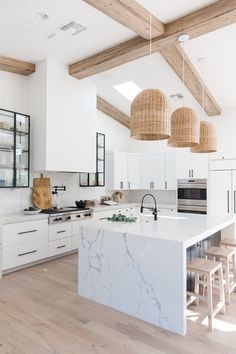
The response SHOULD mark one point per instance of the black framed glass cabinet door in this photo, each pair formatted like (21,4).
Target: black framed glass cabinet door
(14,149)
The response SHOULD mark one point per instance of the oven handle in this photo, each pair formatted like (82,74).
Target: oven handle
(192,186)
(234,202)
(228,201)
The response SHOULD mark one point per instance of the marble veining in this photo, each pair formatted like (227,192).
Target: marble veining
(146,289)
(119,280)
(98,264)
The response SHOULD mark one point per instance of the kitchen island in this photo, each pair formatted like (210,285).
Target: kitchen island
(140,268)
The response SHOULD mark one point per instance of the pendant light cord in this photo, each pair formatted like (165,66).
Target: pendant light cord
(150,42)
(203,86)
(183,68)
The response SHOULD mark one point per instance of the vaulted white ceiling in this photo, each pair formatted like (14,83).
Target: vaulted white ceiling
(24,37)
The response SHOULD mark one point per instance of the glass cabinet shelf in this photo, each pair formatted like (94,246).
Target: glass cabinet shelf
(96,179)
(14,149)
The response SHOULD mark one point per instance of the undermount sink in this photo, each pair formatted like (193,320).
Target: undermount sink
(150,216)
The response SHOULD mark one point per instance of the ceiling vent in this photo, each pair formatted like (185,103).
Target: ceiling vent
(177,96)
(73,28)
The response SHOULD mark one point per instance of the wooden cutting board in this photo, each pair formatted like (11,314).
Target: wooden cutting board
(42,197)
(42,181)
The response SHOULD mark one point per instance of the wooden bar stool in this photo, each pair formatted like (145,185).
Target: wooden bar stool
(226,256)
(207,269)
(228,243)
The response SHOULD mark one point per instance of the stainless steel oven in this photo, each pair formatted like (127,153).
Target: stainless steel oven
(192,196)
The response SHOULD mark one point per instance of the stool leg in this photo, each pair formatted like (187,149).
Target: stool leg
(234,268)
(210,302)
(196,288)
(227,281)
(221,289)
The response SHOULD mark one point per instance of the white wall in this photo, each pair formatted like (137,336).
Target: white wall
(14,96)
(12,92)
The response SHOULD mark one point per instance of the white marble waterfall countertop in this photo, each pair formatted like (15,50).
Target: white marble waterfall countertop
(180,227)
(20,217)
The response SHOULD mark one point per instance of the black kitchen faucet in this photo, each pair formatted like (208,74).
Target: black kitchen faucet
(153,209)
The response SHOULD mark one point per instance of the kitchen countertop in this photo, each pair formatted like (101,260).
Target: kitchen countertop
(20,217)
(132,204)
(187,229)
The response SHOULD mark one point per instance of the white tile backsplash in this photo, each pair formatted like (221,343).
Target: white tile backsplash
(14,200)
(162,197)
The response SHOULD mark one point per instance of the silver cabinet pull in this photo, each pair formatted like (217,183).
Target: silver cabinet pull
(24,254)
(61,231)
(121,185)
(189,173)
(228,201)
(165,184)
(234,202)
(26,232)
(62,246)
(129,185)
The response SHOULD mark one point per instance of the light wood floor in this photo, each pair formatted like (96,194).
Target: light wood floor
(40,313)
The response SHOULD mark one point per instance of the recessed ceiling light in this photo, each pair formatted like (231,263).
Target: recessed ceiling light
(51,35)
(177,96)
(128,89)
(73,27)
(41,16)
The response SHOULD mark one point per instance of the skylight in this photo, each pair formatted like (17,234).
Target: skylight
(128,89)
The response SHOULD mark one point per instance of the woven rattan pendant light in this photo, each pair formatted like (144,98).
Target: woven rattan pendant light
(208,139)
(185,125)
(185,128)
(150,111)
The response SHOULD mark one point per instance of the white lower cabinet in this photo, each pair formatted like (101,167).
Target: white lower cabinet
(75,242)
(31,241)
(60,230)
(59,246)
(24,243)
(17,255)
(17,233)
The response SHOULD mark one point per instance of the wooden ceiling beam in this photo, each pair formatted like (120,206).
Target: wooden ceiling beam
(16,66)
(174,57)
(198,23)
(130,14)
(113,112)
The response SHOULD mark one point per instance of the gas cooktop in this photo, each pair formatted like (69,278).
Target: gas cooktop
(67,214)
(69,209)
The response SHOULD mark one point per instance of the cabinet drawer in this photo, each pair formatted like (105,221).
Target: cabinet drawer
(18,233)
(59,231)
(16,255)
(59,246)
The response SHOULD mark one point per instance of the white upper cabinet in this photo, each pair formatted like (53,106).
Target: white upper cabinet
(63,111)
(133,166)
(170,171)
(140,171)
(152,171)
(116,170)
(190,165)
